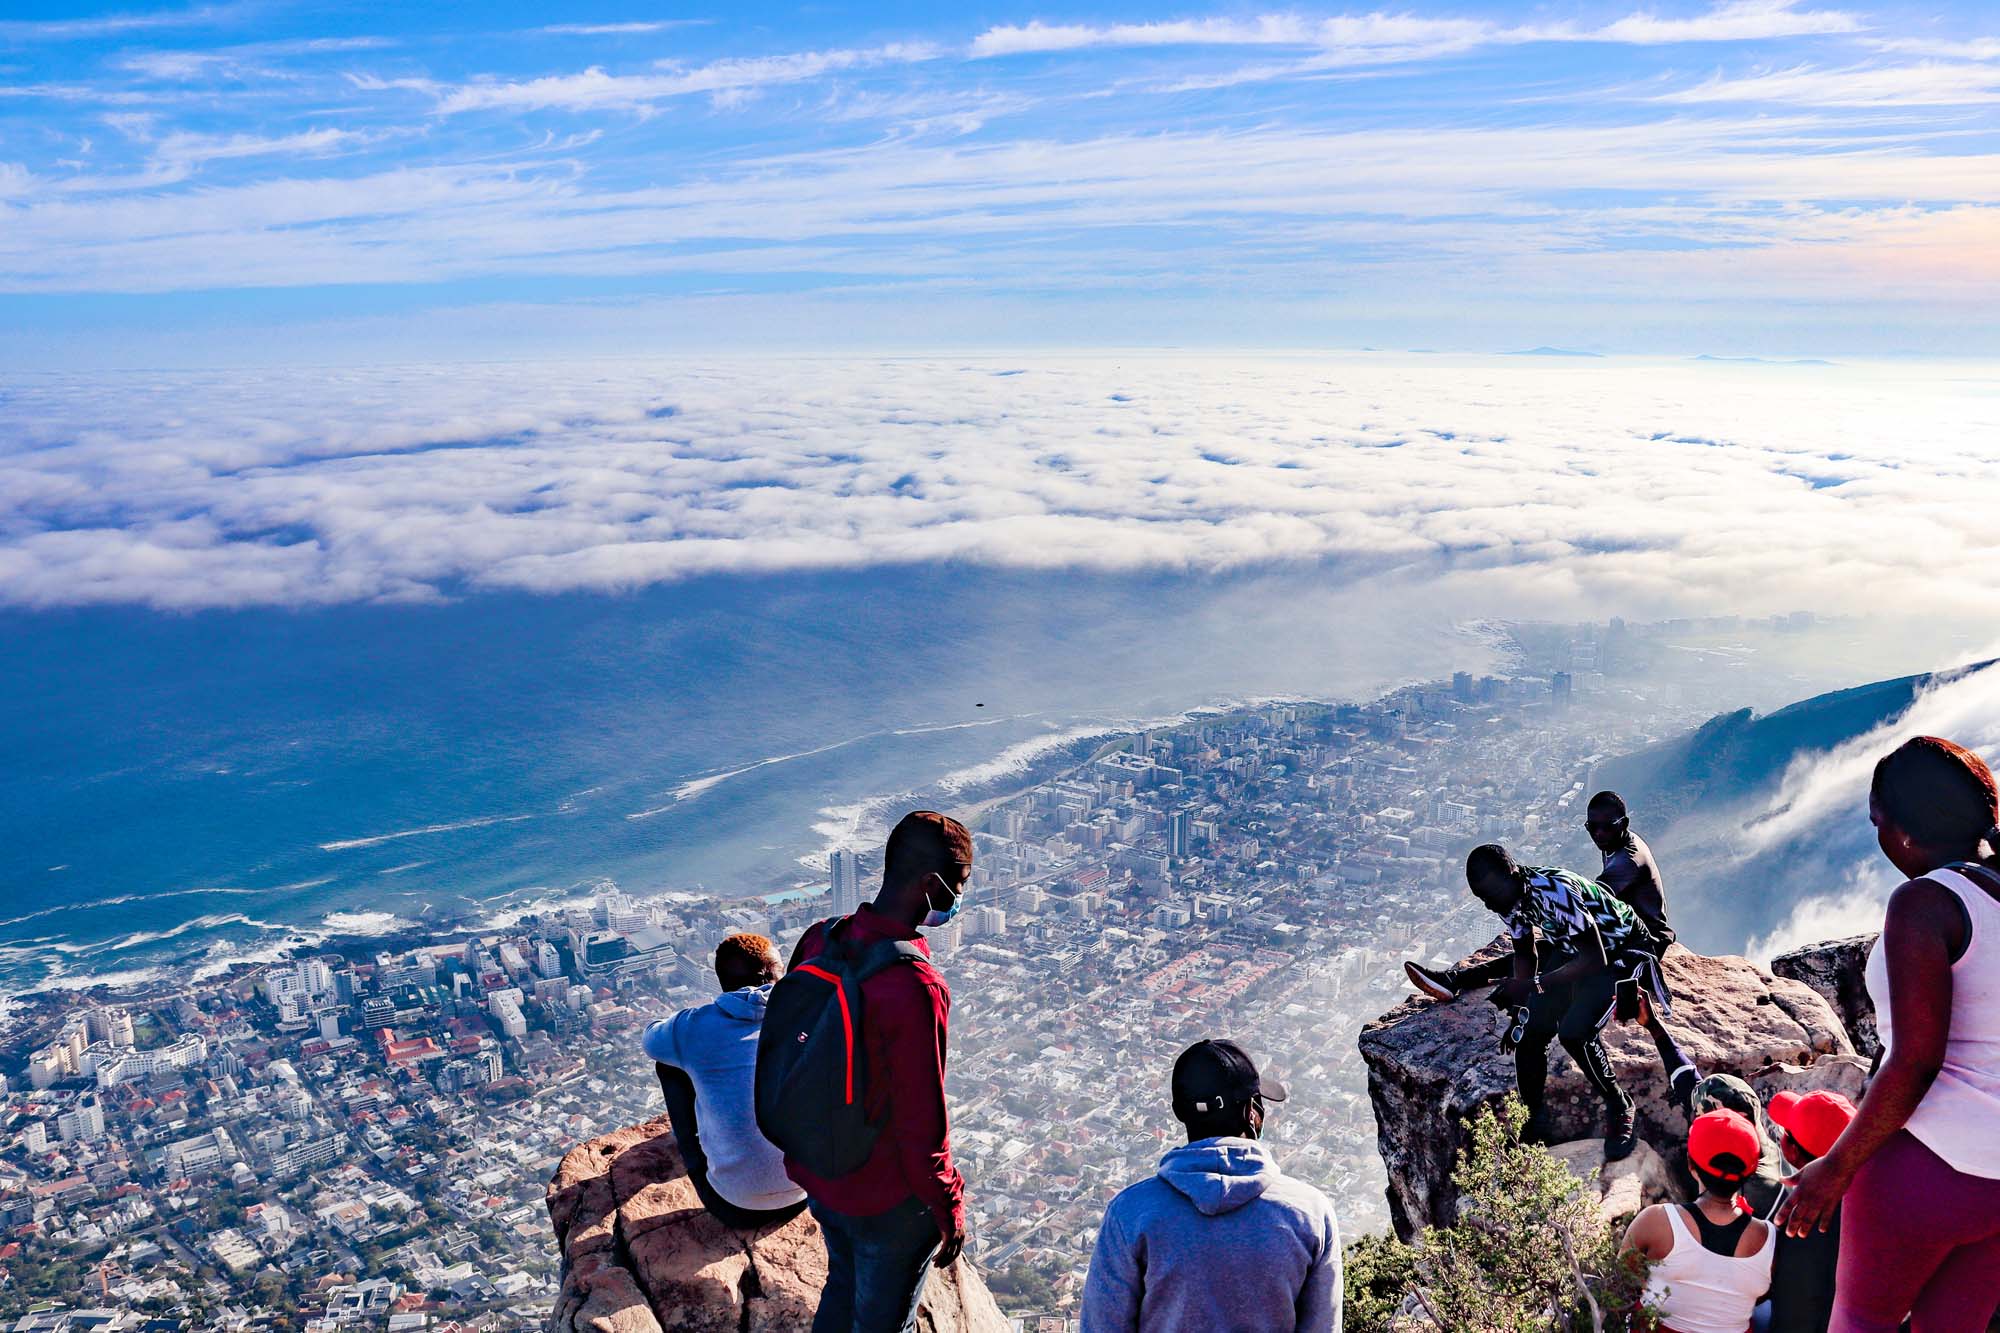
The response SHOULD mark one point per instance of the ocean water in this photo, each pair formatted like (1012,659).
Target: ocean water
(183,791)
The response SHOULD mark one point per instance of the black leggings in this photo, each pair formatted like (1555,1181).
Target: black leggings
(678,1089)
(1576,1012)
(1495,970)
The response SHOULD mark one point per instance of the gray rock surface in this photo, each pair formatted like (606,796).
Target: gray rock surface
(1834,969)
(1623,1188)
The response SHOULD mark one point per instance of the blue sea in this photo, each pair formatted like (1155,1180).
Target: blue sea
(184,791)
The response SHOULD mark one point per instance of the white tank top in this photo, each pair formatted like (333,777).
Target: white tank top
(1957,1118)
(1697,1290)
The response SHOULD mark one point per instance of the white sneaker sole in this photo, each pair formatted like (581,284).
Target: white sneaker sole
(1426,985)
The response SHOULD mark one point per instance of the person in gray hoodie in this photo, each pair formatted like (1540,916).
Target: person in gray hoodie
(706,1058)
(1220,1239)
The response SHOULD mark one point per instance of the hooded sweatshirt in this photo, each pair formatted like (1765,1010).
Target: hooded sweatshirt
(715,1045)
(1219,1240)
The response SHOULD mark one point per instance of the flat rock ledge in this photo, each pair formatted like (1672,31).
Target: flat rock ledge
(641,1255)
(1432,1065)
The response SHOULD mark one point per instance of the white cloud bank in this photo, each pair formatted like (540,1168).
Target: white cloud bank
(1663,486)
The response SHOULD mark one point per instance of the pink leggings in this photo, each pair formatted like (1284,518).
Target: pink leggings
(1920,1241)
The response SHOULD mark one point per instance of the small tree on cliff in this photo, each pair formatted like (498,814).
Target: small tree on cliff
(1528,1253)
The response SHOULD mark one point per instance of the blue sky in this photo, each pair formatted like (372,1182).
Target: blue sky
(240,182)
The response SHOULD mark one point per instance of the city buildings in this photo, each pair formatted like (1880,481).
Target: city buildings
(344,1136)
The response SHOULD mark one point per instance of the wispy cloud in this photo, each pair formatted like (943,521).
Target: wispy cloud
(1925,84)
(1409,36)
(1748,150)
(620,29)
(240,59)
(1742,21)
(1439,203)
(593,89)
(1978,48)
(1037,36)
(111,25)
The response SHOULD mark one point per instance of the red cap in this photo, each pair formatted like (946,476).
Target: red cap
(1812,1119)
(1717,1133)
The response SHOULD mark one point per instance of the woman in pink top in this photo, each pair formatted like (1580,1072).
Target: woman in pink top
(1919,1165)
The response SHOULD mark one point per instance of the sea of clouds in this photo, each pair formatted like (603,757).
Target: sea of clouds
(1512,485)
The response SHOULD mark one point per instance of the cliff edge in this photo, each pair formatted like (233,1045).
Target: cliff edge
(640,1255)
(1431,1065)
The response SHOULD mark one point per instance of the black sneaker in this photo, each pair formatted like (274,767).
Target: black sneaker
(1621,1140)
(1437,985)
(1684,1081)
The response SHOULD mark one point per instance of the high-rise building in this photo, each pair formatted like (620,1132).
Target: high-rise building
(315,976)
(621,913)
(1177,833)
(844,880)
(45,1068)
(83,1123)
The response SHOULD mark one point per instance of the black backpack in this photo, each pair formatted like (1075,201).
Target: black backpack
(812,1062)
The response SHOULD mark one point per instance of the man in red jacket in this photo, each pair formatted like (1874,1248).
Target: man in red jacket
(903,1211)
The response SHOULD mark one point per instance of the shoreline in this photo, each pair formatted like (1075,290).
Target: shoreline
(28,1009)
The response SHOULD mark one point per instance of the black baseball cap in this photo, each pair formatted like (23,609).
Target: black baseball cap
(1212,1075)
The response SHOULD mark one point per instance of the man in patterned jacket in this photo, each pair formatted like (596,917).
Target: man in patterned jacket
(1633,877)
(1573,941)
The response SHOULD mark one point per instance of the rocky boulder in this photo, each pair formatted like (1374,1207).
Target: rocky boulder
(641,1255)
(1622,1188)
(1834,969)
(1431,1065)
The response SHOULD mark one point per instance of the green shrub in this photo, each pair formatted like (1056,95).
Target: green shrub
(1377,1272)
(1529,1252)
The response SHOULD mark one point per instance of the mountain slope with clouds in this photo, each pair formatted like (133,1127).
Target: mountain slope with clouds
(1761,823)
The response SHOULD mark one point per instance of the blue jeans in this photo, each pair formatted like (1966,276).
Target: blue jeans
(876,1268)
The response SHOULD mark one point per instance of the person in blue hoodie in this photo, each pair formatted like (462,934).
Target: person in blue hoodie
(706,1058)
(1220,1239)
